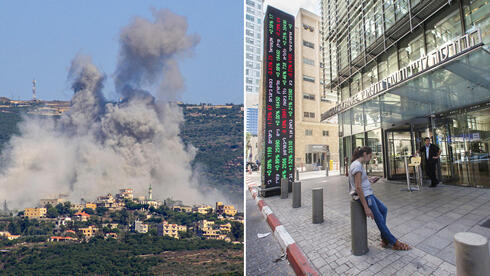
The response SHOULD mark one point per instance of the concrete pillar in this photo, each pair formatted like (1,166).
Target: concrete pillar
(296,194)
(358,228)
(317,205)
(472,256)
(284,188)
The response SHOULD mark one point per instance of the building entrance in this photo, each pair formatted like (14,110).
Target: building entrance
(463,137)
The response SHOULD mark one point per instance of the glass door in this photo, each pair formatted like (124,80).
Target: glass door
(399,146)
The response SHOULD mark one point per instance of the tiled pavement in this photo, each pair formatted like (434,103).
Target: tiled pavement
(427,220)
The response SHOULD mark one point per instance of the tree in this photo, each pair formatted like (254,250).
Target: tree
(52,212)
(237,230)
(89,211)
(101,210)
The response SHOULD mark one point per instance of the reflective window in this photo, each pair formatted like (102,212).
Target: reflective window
(389,14)
(477,15)
(411,49)
(440,31)
(343,58)
(370,75)
(401,8)
(308,78)
(355,85)
(308,61)
(308,44)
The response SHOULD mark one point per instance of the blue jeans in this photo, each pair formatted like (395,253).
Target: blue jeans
(380,211)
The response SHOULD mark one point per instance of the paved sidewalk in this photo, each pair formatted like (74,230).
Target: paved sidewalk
(427,220)
(262,253)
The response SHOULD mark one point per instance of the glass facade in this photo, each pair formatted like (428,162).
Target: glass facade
(253,60)
(252,120)
(449,103)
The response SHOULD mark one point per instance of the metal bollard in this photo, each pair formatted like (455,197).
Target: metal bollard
(472,257)
(297,174)
(296,194)
(327,168)
(317,205)
(358,228)
(284,188)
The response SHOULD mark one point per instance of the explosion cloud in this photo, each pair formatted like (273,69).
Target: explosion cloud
(99,146)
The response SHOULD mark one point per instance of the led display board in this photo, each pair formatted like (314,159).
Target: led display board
(278,100)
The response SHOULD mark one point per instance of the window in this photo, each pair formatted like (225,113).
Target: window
(308,132)
(477,15)
(309,115)
(308,96)
(249,17)
(249,33)
(250,3)
(308,78)
(308,61)
(442,31)
(308,158)
(308,44)
(325,133)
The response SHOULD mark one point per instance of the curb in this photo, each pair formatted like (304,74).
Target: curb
(295,256)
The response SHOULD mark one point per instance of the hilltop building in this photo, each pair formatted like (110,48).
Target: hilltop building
(89,232)
(35,212)
(139,227)
(171,230)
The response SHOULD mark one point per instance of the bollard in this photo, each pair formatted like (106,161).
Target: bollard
(327,169)
(317,205)
(284,188)
(297,174)
(358,228)
(472,257)
(296,194)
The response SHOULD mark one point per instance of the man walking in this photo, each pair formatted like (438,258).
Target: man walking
(431,153)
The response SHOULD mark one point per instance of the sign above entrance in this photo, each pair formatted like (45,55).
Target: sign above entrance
(440,55)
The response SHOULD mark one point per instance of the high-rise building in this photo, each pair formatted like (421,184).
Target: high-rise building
(409,69)
(253,61)
(316,142)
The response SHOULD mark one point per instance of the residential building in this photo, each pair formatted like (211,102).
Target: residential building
(53,202)
(61,239)
(181,208)
(89,232)
(110,225)
(139,227)
(316,142)
(35,212)
(81,216)
(202,209)
(406,70)
(209,230)
(125,194)
(9,236)
(171,230)
(229,210)
(90,205)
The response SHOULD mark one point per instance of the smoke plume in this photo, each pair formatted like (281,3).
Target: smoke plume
(98,146)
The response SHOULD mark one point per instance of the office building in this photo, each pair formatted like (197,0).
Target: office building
(408,69)
(316,142)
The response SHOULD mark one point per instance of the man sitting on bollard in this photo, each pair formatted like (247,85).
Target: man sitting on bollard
(373,207)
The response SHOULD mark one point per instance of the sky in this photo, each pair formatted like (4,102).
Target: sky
(292,7)
(40,38)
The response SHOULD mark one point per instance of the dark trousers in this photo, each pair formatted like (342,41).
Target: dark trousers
(430,169)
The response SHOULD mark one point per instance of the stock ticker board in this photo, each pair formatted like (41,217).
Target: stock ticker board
(278,100)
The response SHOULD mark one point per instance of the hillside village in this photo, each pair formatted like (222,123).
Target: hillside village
(110,217)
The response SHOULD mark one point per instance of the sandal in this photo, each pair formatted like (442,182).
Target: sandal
(401,246)
(384,243)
